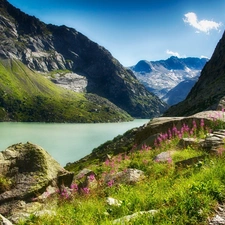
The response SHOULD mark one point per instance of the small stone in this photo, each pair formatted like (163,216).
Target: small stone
(163,156)
(217,220)
(126,219)
(113,201)
(4,221)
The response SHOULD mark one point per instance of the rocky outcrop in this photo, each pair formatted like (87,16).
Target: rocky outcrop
(208,93)
(28,171)
(71,81)
(129,176)
(48,48)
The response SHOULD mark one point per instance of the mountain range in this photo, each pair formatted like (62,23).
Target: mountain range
(70,60)
(208,93)
(171,79)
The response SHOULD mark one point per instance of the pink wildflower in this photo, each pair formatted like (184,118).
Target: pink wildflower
(110,183)
(74,187)
(107,162)
(169,160)
(119,158)
(202,123)
(92,177)
(194,124)
(65,194)
(86,190)
(174,131)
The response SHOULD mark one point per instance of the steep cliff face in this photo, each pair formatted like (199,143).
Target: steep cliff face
(48,48)
(208,92)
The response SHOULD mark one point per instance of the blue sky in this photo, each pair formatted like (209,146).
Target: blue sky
(138,29)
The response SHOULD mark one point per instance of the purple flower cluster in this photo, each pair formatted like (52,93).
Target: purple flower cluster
(85,190)
(174,132)
(110,183)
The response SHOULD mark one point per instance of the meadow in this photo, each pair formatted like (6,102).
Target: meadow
(178,193)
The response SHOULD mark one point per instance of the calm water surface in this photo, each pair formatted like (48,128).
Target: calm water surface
(65,142)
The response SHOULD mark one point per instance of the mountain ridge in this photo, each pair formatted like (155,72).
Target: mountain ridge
(208,93)
(162,76)
(46,48)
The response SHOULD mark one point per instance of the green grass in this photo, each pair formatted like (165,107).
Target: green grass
(5,184)
(181,195)
(28,96)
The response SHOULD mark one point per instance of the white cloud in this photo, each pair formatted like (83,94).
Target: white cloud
(202,56)
(172,53)
(201,25)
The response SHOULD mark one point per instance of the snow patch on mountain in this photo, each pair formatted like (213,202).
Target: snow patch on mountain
(160,77)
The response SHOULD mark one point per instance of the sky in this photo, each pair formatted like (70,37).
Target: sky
(137,30)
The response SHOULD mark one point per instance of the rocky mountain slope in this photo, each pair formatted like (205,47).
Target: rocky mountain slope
(49,48)
(162,76)
(26,95)
(208,92)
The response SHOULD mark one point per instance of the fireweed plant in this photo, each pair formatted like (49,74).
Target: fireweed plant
(181,195)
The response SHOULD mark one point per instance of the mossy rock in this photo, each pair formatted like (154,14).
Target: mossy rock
(31,169)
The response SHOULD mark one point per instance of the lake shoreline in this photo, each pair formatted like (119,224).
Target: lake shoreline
(66,142)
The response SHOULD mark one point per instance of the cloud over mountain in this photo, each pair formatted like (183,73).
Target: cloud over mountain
(201,25)
(172,53)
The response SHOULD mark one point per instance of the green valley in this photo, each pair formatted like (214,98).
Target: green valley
(28,96)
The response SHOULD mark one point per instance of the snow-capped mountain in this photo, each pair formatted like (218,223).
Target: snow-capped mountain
(161,77)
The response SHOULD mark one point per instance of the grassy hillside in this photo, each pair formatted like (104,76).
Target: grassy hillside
(26,95)
(185,188)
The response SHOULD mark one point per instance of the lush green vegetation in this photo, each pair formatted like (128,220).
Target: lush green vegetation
(5,184)
(181,193)
(28,96)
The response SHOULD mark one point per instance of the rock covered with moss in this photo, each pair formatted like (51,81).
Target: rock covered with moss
(27,170)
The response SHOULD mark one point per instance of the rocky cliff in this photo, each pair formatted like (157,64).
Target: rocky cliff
(48,48)
(208,92)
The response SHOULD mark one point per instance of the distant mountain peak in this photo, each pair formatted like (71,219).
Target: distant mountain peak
(162,76)
(208,92)
(143,66)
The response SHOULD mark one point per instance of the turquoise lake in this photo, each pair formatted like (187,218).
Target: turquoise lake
(67,142)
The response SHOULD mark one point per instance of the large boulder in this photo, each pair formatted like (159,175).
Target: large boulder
(27,170)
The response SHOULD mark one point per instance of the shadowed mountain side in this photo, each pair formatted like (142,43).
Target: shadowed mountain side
(30,97)
(48,48)
(208,92)
(179,92)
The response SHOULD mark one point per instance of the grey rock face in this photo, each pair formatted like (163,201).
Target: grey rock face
(71,81)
